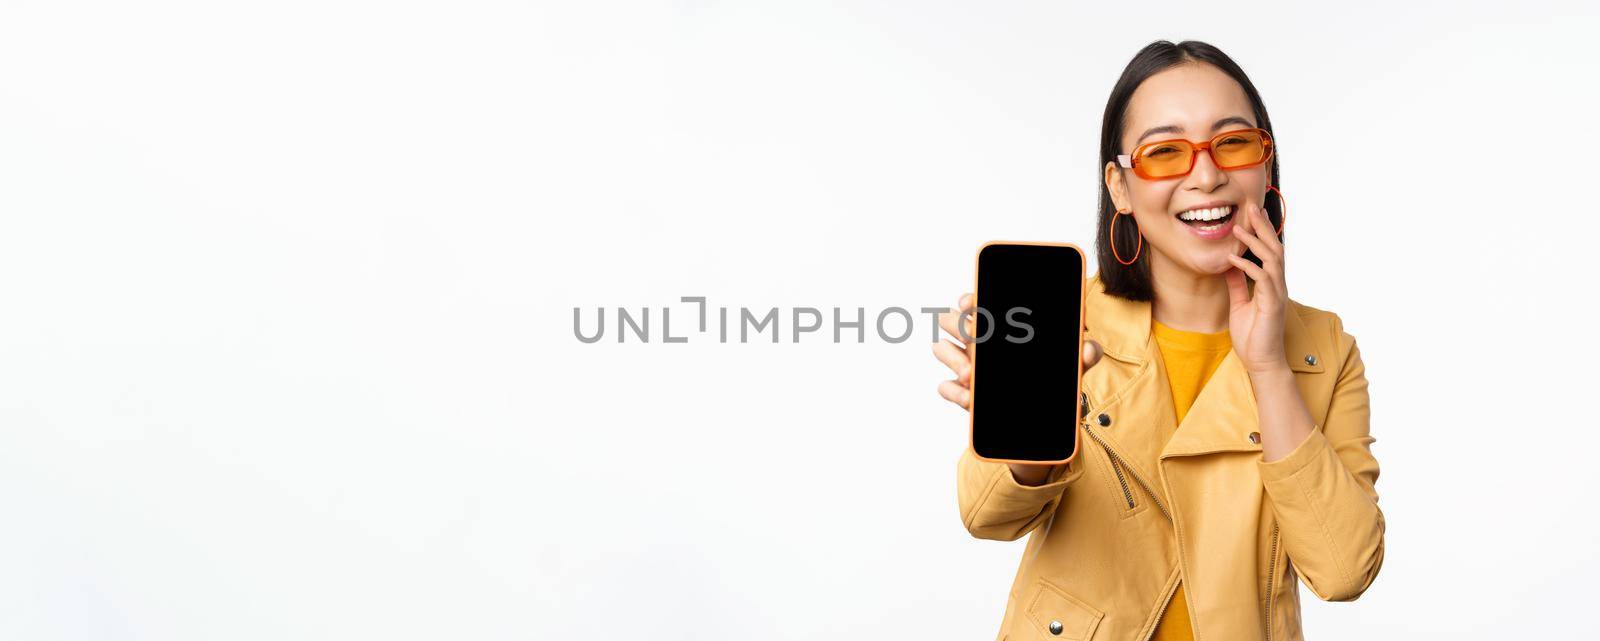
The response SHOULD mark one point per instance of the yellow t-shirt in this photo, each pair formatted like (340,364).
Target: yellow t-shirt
(1191,358)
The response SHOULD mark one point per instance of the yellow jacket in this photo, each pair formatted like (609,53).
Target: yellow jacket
(1112,535)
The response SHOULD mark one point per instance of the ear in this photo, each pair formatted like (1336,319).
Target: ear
(1117,186)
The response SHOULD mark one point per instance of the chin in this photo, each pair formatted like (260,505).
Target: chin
(1212,262)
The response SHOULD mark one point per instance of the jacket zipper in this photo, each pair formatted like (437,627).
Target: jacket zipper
(1117,469)
(1123,481)
(1272,576)
(1117,461)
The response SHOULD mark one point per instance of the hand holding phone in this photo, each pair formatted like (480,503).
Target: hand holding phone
(957,355)
(1029,324)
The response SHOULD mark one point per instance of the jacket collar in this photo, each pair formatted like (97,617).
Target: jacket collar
(1224,414)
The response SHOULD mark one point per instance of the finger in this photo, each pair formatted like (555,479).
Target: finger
(969,315)
(1256,273)
(955,393)
(947,322)
(1276,265)
(1266,222)
(954,357)
(1091,354)
(1267,295)
(1263,229)
(1238,290)
(949,319)
(1269,260)
(1252,238)
(1245,219)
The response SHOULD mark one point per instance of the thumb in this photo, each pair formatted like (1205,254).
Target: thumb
(1091,354)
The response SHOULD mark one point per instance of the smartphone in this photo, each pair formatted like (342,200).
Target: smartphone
(1027,367)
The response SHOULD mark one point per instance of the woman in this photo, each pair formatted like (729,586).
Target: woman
(1224,451)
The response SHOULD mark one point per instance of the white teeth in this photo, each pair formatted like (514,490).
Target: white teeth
(1206,214)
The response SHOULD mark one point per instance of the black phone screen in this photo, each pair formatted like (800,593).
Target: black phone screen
(1026,352)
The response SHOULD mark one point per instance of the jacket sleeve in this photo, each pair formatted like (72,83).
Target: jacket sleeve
(1323,491)
(995,506)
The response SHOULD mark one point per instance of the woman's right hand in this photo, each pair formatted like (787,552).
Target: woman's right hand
(957,355)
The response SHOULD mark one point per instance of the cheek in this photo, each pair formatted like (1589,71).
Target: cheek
(1254,183)
(1152,201)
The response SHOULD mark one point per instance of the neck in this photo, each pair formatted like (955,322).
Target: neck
(1186,300)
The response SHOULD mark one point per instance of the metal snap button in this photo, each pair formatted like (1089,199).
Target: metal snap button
(1055,627)
(1255,437)
(1104,420)
(1311,359)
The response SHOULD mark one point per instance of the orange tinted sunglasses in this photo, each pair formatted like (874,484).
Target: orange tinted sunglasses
(1229,150)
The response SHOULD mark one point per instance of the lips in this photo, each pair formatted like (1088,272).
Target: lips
(1211,221)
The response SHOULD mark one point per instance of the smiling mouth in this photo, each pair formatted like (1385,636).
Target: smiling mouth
(1209,218)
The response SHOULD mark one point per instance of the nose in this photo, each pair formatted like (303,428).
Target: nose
(1206,176)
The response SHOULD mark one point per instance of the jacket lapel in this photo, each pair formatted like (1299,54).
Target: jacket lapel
(1121,326)
(1131,393)
(1222,417)
(1225,414)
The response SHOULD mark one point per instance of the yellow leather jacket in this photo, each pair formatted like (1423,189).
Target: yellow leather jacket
(1115,530)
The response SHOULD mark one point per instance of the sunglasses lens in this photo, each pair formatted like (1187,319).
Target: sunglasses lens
(1166,159)
(1239,149)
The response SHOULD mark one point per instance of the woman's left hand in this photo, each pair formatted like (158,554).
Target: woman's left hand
(1255,319)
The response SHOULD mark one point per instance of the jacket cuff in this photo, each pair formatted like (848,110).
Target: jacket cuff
(1314,446)
(1009,491)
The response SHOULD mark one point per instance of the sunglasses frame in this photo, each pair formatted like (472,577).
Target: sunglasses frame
(1131,161)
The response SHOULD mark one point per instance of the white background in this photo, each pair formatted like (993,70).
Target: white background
(286,345)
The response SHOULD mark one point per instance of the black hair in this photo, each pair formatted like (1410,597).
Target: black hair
(1133,282)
